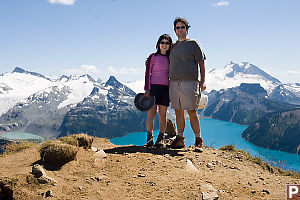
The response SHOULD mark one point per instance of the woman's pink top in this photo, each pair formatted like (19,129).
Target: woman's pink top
(157,70)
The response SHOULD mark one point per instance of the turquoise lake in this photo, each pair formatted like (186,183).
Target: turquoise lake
(20,136)
(218,133)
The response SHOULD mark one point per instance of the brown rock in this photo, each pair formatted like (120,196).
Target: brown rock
(171,129)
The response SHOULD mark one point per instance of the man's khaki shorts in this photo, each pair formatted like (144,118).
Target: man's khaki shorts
(184,95)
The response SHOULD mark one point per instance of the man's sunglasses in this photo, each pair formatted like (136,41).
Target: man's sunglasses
(180,27)
(167,43)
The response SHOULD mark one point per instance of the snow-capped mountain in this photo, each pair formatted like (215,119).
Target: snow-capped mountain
(107,112)
(17,86)
(233,74)
(136,86)
(36,104)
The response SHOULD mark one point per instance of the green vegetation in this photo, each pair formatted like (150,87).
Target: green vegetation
(69,140)
(228,148)
(15,147)
(260,162)
(78,140)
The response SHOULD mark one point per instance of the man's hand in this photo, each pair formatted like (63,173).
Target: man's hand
(202,86)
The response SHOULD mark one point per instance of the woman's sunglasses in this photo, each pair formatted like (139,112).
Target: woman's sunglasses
(167,43)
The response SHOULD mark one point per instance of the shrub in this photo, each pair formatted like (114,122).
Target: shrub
(84,140)
(15,147)
(55,154)
(69,140)
(228,148)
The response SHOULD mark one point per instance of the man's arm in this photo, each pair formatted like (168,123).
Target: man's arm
(202,74)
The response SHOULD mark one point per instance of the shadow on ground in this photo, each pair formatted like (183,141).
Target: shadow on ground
(142,149)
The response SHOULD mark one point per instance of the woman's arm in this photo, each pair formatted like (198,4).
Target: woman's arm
(148,73)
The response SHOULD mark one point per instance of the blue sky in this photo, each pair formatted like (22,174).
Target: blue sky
(114,37)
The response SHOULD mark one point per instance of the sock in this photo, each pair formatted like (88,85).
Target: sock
(180,134)
(198,135)
(160,133)
(149,133)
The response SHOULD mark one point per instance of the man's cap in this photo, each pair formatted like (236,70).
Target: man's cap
(144,103)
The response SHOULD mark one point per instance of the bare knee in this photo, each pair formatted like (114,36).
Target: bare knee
(193,114)
(152,112)
(162,112)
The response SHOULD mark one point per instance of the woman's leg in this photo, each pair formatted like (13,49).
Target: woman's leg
(162,112)
(150,118)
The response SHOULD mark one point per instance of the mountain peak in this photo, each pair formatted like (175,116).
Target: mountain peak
(89,77)
(234,69)
(19,70)
(112,81)
(112,78)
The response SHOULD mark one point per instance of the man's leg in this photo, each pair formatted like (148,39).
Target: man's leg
(195,123)
(194,120)
(180,121)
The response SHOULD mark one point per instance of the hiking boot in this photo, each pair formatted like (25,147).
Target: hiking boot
(199,142)
(177,143)
(159,140)
(150,142)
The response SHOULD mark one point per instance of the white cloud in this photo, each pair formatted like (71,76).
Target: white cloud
(65,2)
(84,69)
(114,71)
(293,73)
(221,3)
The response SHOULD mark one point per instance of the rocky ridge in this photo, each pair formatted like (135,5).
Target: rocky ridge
(107,171)
(278,130)
(243,104)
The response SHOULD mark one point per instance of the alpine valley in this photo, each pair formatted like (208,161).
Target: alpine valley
(240,92)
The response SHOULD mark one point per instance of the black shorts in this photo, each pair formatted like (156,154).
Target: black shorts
(161,93)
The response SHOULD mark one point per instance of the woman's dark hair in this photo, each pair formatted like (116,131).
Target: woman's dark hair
(166,37)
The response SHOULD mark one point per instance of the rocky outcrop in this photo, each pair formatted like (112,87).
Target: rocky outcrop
(105,113)
(107,171)
(278,131)
(243,105)
(39,173)
(3,142)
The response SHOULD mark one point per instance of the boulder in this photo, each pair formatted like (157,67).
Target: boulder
(171,129)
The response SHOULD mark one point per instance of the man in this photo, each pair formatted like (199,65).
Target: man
(186,58)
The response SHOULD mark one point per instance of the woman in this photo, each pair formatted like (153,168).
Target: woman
(157,84)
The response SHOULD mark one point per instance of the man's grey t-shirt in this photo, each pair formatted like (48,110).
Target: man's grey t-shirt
(184,59)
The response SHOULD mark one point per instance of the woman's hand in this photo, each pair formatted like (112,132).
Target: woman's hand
(147,93)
